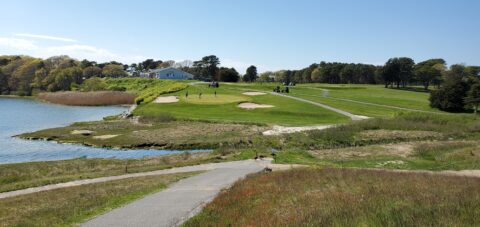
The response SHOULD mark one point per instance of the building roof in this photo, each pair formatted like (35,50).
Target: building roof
(169,68)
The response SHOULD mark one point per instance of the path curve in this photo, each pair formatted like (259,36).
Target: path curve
(179,202)
(342,112)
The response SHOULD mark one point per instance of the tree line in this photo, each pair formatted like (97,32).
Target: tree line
(23,75)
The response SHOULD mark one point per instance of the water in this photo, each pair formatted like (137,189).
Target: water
(24,115)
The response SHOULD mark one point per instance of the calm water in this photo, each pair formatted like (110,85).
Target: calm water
(23,115)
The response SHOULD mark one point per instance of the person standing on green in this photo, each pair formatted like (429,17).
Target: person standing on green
(186,95)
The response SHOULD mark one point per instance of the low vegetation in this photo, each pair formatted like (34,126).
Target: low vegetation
(94,98)
(345,197)
(73,205)
(160,132)
(31,174)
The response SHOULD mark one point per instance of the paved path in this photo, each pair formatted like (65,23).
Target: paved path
(202,167)
(181,200)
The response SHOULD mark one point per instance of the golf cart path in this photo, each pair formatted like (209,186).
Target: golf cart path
(342,112)
(182,200)
(201,167)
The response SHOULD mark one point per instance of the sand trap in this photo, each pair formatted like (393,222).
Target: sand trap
(253,93)
(251,105)
(104,137)
(277,130)
(166,99)
(81,132)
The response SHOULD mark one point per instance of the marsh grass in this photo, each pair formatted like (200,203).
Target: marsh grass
(73,205)
(94,98)
(345,197)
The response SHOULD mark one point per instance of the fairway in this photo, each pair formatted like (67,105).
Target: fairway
(360,99)
(224,108)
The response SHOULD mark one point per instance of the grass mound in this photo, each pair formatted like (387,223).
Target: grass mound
(94,98)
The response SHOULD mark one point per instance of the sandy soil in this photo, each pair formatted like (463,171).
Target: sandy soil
(277,130)
(166,99)
(81,132)
(253,93)
(251,105)
(104,137)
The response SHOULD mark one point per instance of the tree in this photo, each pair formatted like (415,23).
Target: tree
(451,95)
(316,75)
(266,76)
(398,71)
(93,84)
(91,71)
(251,74)
(114,71)
(228,75)
(473,97)
(427,71)
(206,68)
(3,84)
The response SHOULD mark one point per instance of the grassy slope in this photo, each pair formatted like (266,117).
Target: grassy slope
(209,107)
(345,197)
(73,205)
(375,94)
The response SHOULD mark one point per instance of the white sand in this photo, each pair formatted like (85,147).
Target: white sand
(253,93)
(277,130)
(104,137)
(251,105)
(166,99)
(81,132)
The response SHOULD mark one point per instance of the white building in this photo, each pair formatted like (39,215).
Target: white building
(167,73)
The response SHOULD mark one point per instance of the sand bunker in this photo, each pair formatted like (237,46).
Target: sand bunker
(253,93)
(251,105)
(104,137)
(166,99)
(81,132)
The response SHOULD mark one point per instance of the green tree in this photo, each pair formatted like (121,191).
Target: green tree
(228,75)
(251,74)
(398,71)
(114,71)
(91,71)
(4,90)
(93,84)
(207,67)
(473,97)
(427,71)
(316,75)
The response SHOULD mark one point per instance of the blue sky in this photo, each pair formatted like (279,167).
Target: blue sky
(269,34)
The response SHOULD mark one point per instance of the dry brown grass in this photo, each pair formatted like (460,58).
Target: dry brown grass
(94,98)
(345,197)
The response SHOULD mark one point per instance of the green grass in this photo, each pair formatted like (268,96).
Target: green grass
(347,96)
(146,89)
(73,205)
(345,197)
(219,108)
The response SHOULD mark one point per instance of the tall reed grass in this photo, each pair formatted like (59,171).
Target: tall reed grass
(96,98)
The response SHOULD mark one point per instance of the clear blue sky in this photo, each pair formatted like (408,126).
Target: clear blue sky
(272,34)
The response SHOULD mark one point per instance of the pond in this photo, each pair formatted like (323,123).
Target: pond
(18,115)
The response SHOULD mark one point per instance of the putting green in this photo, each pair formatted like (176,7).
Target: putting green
(212,99)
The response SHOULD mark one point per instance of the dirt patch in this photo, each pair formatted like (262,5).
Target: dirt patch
(82,132)
(166,99)
(254,93)
(251,105)
(277,130)
(105,137)
(399,149)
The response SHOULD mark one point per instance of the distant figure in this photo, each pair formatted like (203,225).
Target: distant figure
(200,95)
(186,95)
(215,93)
(287,90)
